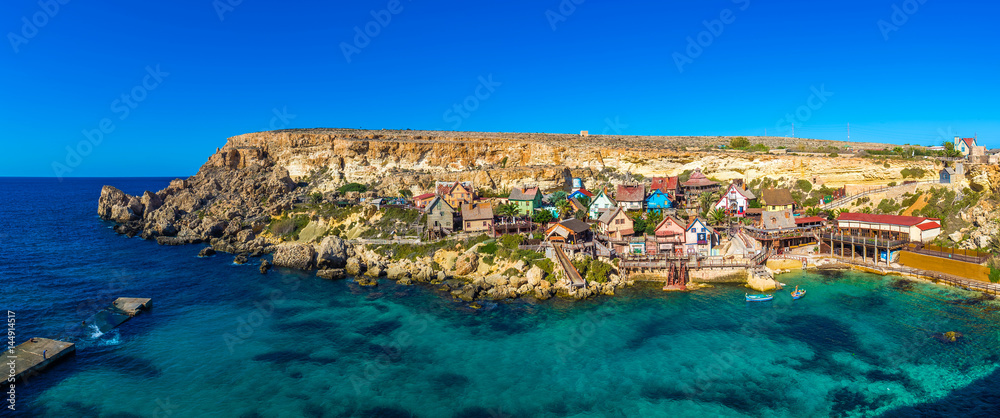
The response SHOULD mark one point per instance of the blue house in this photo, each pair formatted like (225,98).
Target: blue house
(657,201)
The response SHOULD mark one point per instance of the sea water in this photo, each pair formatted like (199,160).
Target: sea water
(224,340)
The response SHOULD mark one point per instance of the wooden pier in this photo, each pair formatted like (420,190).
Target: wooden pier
(36,354)
(571,273)
(132,306)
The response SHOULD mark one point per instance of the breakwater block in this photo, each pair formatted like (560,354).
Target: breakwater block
(36,354)
(133,306)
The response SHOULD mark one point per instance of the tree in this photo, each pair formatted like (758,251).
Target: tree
(584,200)
(739,142)
(717,216)
(541,217)
(639,224)
(565,208)
(558,196)
(581,215)
(316,197)
(509,209)
(814,211)
(353,187)
(405,193)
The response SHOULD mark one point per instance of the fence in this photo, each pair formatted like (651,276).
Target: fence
(846,199)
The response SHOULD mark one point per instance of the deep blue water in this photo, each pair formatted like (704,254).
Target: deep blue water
(223,340)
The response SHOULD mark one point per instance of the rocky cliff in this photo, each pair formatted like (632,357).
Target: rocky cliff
(254,176)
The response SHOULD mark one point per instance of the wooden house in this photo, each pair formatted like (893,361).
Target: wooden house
(440,216)
(569,231)
(526,198)
(631,197)
(601,203)
(735,201)
(699,238)
(459,194)
(699,183)
(423,200)
(666,185)
(616,224)
(668,237)
(657,201)
(477,217)
(776,200)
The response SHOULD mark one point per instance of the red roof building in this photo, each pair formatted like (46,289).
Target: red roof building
(910,228)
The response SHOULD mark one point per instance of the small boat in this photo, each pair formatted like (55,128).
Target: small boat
(798,294)
(758,298)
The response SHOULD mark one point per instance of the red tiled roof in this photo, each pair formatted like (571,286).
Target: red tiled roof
(664,184)
(809,220)
(424,196)
(698,179)
(969,142)
(882,219)
(630,193)
(930,225)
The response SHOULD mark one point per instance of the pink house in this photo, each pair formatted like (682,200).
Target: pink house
(668,237)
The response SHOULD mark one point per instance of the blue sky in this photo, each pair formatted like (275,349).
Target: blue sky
(196,72)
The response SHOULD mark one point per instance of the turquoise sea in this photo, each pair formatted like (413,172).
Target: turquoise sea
(223,340)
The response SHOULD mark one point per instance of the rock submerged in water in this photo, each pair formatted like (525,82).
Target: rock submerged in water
(206,252)
(264,266)
(241,259)
(332,274)
(367,281)
(949,337)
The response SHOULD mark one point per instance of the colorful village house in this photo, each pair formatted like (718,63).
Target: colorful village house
(631,197)
(735,201)
(776,200)
(477,217)
(569,231)
(601,203)
(460,194)
(526,198)
(699,238)
(423,200)
(618,227)
(666,185)
(657,201)
(698,183)
(668,237)
(440,217)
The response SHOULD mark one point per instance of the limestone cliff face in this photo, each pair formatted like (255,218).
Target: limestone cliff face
(394,160)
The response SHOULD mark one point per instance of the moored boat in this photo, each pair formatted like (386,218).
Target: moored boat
(798,294)
(758,298)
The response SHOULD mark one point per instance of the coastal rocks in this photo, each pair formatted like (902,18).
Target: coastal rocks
(466,264)
(151,201)
(354,266)
(396,272)
(956,236)
(265,266)
(543,293)
(296,256)
(332,274)
(115,205)
(535,276)
(374,270)
(206,252)
(241,259)
(366,281)
(466,293)
(333,253)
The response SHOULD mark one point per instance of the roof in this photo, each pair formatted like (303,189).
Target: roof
(664,184)
(810,219)
(777,197)
(665,220)
(605,194)
(626,193)
(523,194)
(444,188)
(575,225)
(584,192)
(929,225)
(746,193)
(698,179)
(477,212)
(883,219)
(755,211)
(610,215)
(437,199)
(969,142)
(777,219)
(577,205)
(703,223)
(949,170)
(424,196)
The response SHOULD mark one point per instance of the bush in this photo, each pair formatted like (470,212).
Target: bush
(581,266)
(511,242)
(804,185)
(489,248)
(544,264)
(739,142)
(316,197)
(833,155)
(541,217)
(915,172)
(512,272)
(435,266)
(353,187)
(892,184)
(598,271)
(288,227)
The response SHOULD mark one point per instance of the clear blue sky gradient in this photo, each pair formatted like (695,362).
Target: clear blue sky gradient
(603,66)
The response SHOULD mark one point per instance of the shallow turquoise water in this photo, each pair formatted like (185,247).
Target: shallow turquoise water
(223,340)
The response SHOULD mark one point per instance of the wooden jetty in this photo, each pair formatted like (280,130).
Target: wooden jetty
(36,354)
(132,306)
(571,273)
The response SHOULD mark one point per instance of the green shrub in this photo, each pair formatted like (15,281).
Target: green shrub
(892,184)
(435,266)
(598,271)
(545,264)
(288,227)
(316,197)
(804,185)
(739,142)
(581,266)
(353,187)
(489,248)
(512,272)
(511,242)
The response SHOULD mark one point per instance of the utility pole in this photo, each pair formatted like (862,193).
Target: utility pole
(793,129)
(848,131)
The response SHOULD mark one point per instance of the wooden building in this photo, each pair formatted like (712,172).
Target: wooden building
(477,217)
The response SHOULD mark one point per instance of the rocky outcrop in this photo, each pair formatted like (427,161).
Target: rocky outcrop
(332,274)
(206,252)
(466,264)
(333,252)
(296,256)
(265,266)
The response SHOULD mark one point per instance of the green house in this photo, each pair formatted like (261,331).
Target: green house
(527,199)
